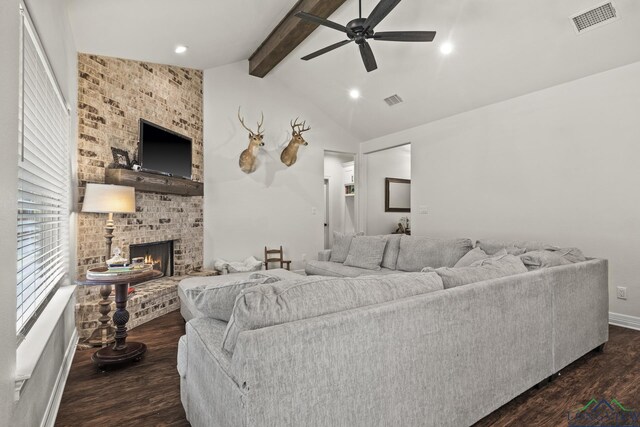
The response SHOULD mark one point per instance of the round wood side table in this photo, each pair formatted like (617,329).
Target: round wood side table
(121,351)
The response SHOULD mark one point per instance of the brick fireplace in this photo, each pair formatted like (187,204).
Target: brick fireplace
(113,95)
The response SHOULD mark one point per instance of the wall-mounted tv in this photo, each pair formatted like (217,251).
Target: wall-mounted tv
(164,151)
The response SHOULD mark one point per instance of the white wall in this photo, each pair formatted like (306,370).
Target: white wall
(559,165)
(51,22)
(390,163)
(272,206)
(9,44)
(341,208)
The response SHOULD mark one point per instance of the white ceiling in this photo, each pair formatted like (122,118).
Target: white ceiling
(503,49)
(217,32)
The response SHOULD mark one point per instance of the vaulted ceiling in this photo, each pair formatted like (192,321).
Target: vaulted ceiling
(502,49)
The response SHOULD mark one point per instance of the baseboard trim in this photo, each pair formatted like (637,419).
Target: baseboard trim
(53,405)
(624,320)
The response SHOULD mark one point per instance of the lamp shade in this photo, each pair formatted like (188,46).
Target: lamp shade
(106,198)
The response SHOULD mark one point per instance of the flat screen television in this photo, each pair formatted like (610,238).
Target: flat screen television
(164,151)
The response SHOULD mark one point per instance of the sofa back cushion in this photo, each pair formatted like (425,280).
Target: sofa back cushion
(366,252)
(391,251)
(341,244)
(417,252)
(296,299)
(490,268)
(513,247)
(216,301)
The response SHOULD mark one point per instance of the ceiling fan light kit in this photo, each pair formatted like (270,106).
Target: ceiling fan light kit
(361,29)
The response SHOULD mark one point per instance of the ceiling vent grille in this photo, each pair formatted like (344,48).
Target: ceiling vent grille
(393,100)
(594,18)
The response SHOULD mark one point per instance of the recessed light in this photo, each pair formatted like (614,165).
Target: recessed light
(181,49)
(446,48)
(354,93)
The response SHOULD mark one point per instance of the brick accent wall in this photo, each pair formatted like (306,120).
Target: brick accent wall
(113,94)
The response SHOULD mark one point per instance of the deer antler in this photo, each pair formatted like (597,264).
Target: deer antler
(296,127)
(242,122)
(303,128)
(260,130)
(260,124)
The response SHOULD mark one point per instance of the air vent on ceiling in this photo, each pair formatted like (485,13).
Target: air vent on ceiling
(393,100)
(594,18)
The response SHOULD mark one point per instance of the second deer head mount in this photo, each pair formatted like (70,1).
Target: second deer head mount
(290,153)
(248,158)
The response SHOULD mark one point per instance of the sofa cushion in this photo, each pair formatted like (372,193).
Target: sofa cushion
(490,268)
(366,252)
(476,254)
(290,300)
(391,251)
(419,252)
(216,301)
(341,244)
(513,247)
(571,254)
(542,259)
(335,269)
(551,258)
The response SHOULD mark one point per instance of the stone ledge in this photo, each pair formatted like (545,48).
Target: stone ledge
(151,299)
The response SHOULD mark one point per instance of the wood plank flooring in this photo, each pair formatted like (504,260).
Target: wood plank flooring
(147,393)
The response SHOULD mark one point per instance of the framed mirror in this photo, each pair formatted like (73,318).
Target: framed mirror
(397,195)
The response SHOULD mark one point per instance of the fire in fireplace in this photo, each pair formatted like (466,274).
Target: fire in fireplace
(160,254)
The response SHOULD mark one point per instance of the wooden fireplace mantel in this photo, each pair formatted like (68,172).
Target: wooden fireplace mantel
(154,183)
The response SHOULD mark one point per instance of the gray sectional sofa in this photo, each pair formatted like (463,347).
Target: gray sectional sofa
(400,349)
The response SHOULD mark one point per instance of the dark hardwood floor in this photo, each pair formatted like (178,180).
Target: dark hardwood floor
(147,393)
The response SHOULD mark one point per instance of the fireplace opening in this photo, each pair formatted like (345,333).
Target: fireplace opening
(160,254)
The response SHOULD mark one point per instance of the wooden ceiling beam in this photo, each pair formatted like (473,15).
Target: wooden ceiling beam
(288,34)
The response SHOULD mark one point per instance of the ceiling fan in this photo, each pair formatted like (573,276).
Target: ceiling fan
(359,30)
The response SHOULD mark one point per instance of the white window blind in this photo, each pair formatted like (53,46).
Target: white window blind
(43,180)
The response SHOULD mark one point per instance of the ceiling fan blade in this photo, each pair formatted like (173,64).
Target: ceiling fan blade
(405,36)
(325,50)
(321,21)
(367,57)
(378,13)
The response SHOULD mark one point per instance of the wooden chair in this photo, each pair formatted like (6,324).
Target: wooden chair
(269,257)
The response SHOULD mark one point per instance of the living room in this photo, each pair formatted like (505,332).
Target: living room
(511,125)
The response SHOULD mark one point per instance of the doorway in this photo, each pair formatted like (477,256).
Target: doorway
(339,190)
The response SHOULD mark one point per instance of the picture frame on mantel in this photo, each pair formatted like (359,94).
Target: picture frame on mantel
(397,195)
(120,158)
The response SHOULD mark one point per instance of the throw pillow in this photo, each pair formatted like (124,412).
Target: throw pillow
(419,252)
(391,251)
(366,252)
(474,255)
(216,301)
(297,299)
(571,254)
(490,268)
(541,259)
(493,246)
(341,244)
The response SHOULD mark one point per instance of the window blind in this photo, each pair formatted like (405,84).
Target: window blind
(43,180)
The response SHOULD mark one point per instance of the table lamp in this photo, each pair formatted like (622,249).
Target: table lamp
(109,199)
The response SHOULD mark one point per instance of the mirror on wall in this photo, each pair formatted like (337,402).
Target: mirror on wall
(397,195)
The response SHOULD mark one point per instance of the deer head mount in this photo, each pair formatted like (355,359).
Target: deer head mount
(290,153)
(248,158)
